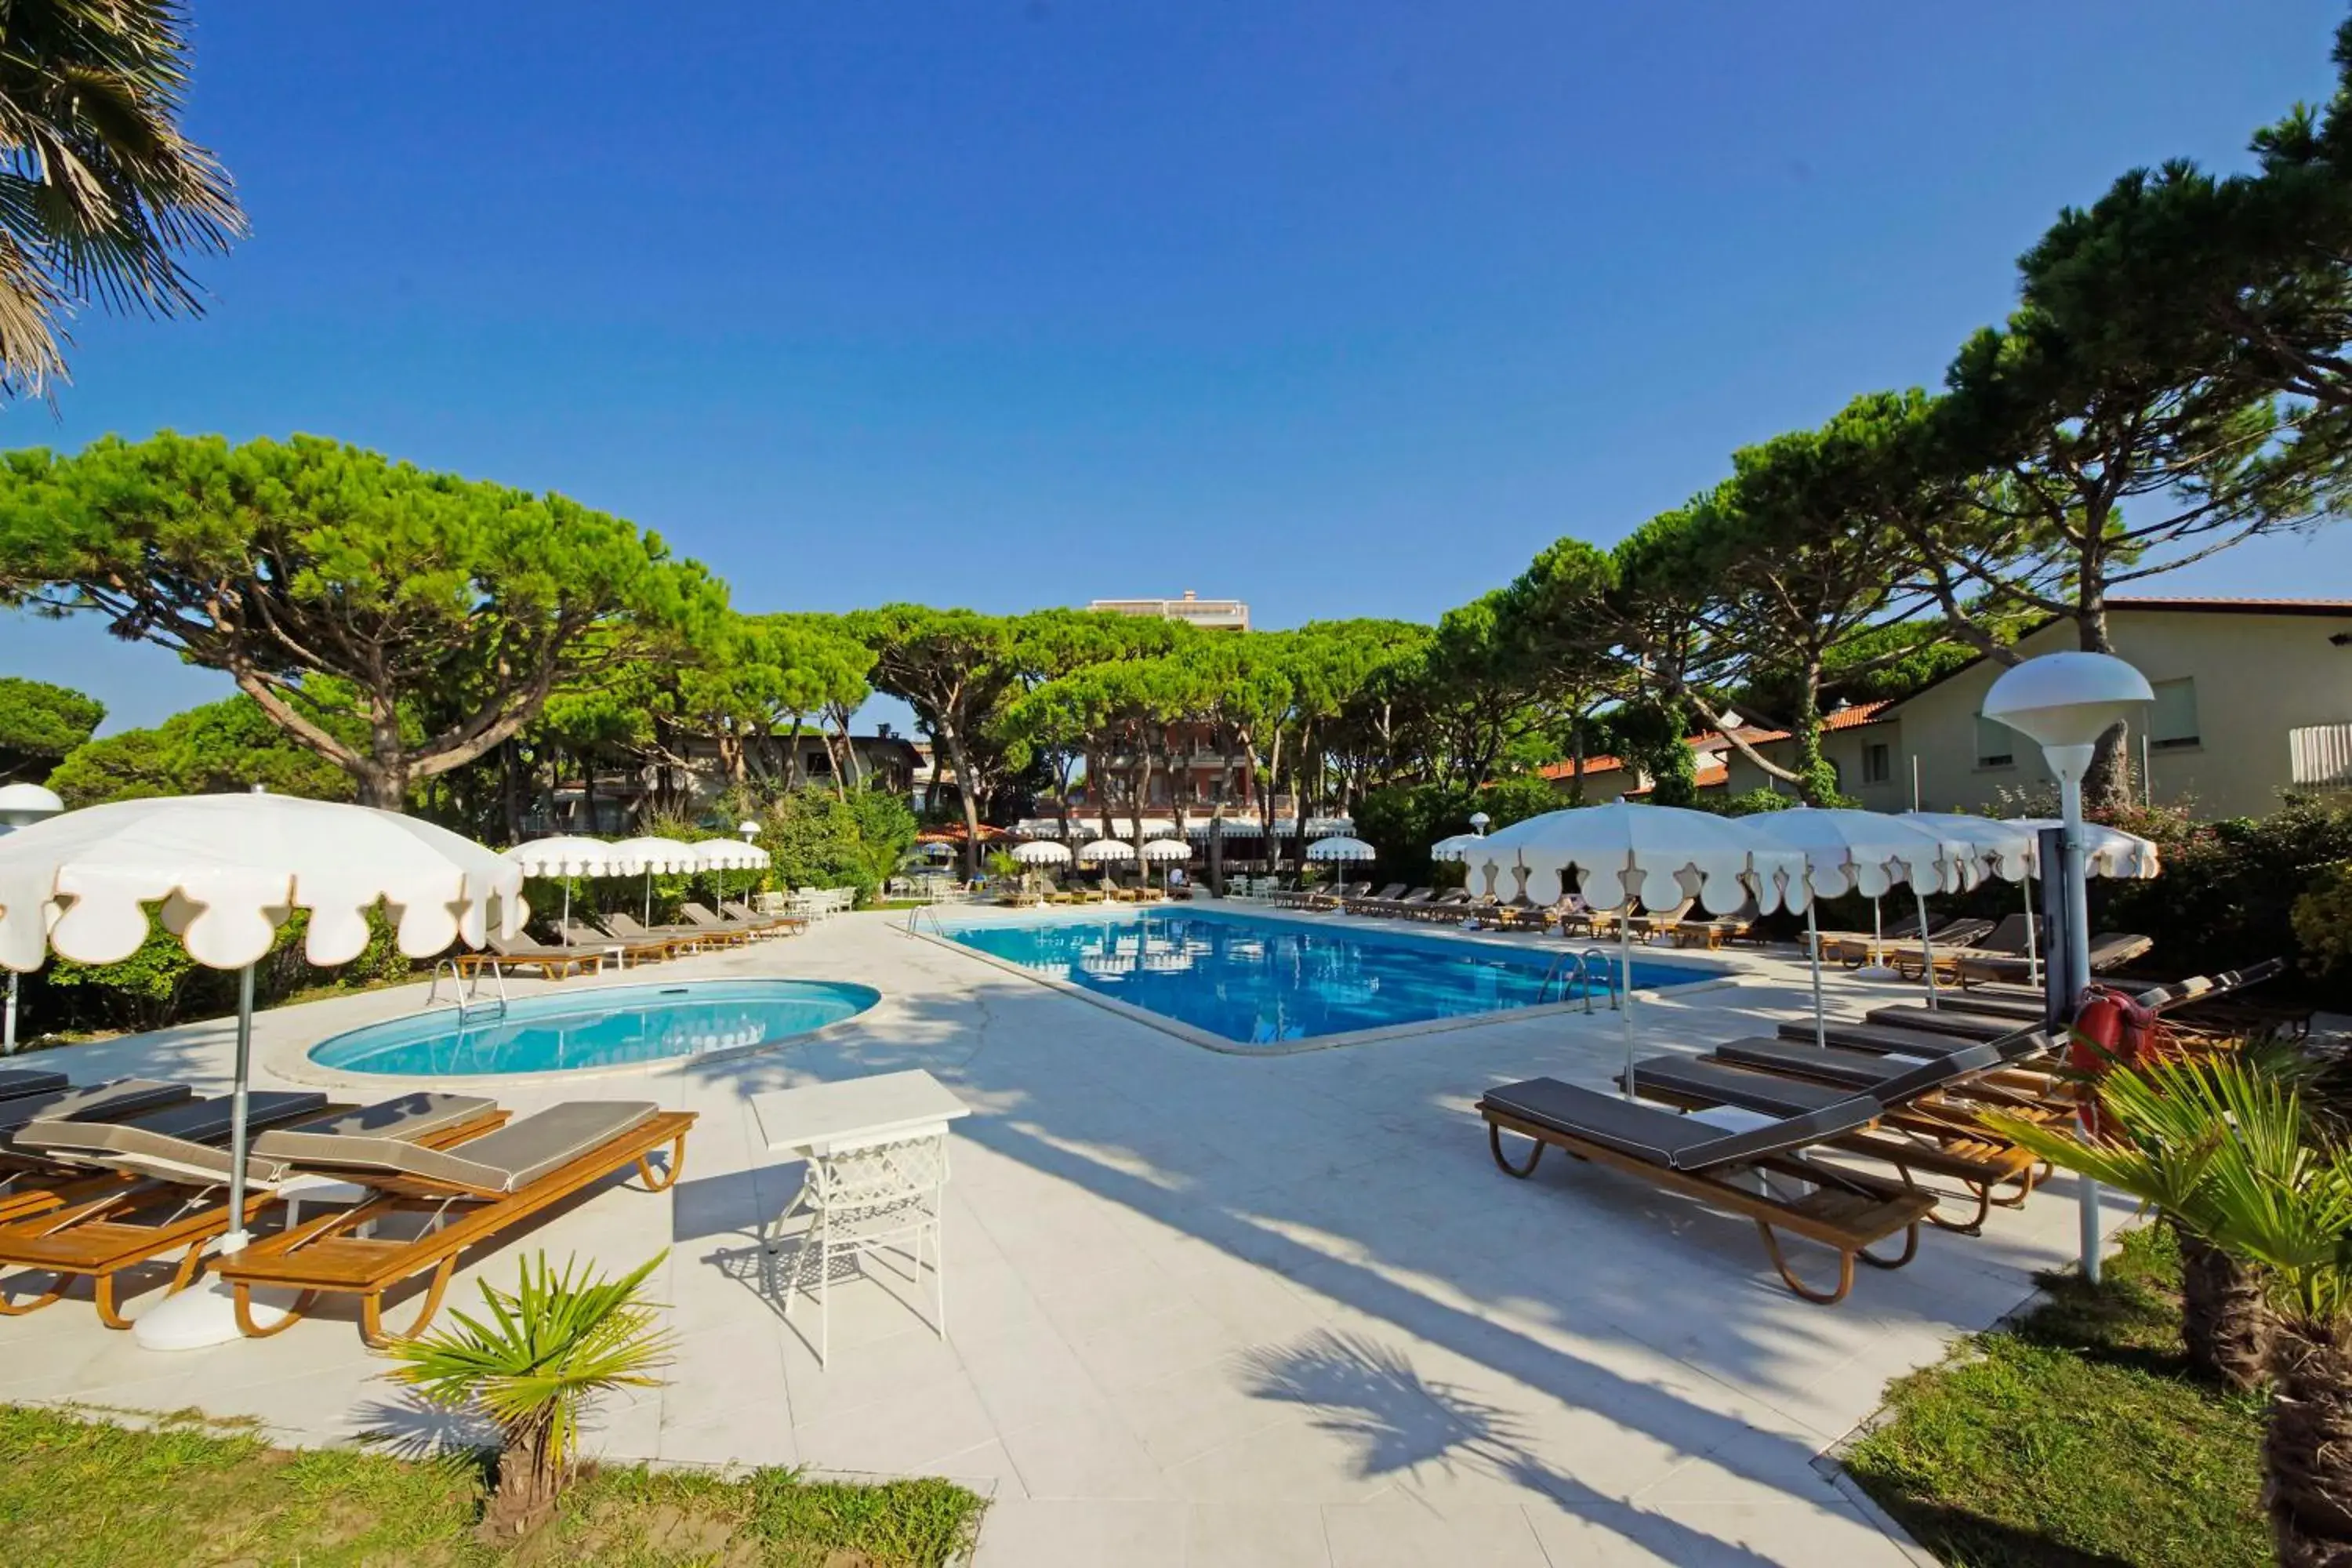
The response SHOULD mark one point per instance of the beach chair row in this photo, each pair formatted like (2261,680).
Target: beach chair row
(101,1181)
(1871,1128)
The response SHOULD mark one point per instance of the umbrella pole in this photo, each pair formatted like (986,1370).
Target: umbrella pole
(1927,949)
(1625,988)
(567,911)
(2033,958)
(8,1031)
(1813,947)
(1877,938)
(649,895)
(238,1132)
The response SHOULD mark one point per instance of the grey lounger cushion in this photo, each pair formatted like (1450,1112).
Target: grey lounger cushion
(93,1102)
(1735,1070)
(1940,1021)
(1829,1064)
(1882,1039)
(503,1161)
(403,1119)
(17,1082)
(1663,1138)
(1724,1083)
(180,1142)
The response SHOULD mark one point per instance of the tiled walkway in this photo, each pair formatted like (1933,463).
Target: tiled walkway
(1206,1309)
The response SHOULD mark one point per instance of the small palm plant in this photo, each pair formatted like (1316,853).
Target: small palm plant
(2164,1132)
(2268,1189)
(530,1365)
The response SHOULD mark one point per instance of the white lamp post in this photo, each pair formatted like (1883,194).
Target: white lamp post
(2064,702)
(21,805)
(1478,820)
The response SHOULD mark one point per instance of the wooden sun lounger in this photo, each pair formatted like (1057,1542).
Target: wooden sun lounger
(782,924)
(1852,948)
(472,1192)
(2109,950)
(631,951)
(124,1223)
(552,961)
(1846,1211)
(31,1183)
(688,938)
(1919,1132)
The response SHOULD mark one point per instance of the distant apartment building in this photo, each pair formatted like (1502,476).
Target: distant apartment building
(1210,614)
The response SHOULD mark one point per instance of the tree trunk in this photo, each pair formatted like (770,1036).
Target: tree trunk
(1576,763)
(1815,783)
(2224,1321)
(2308,1448)
(530,1474)
(510,783)
(2107,786)
(949,738)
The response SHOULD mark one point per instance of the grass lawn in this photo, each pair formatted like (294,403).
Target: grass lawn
(2072,1438)
(77,1494)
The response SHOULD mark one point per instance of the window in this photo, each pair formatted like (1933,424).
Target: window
(1877,763)
(1996,743)
(2173,720)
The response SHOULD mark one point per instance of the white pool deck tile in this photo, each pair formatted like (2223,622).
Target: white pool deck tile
(1203,1308)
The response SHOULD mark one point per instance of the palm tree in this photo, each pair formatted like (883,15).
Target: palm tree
(545,1349)
(2160,1149)
(2269,1191)
(100,192)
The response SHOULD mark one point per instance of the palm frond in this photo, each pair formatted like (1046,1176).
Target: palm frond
(538,1353)
(107,195)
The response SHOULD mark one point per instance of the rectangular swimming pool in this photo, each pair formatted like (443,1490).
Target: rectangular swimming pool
(1273,983)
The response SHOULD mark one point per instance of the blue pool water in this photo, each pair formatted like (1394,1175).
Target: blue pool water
(1270,982)
(607,1027)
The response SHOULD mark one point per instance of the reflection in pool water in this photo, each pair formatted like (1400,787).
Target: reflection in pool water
(1267,981)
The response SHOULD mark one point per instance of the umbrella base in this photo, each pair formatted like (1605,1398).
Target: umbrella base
(204,1316)
(1877,972)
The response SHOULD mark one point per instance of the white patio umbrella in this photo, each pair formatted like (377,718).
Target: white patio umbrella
(1653,853)
(719,856)
(1862,851)
(1166,849)
(1340,846)
(2009,850)
(631,855)
(2106,851)
(1042,852)
(1103,852)
(1458,847)
(566,858)
(228,870)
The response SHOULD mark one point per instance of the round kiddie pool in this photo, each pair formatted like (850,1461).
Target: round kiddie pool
(603,1027)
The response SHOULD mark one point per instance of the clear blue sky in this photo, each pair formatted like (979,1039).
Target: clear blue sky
(1343,308)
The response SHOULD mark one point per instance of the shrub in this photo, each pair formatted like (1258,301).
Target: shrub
(160,984)
(2229,889)
(818,839)
(1401,822)
(2323,923)
(530,1364)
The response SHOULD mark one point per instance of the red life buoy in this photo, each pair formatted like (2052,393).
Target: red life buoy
(2111,1030)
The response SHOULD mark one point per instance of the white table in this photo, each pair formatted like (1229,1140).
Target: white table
(816,1121)
(878,1170)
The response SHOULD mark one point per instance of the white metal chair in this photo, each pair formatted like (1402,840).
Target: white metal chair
(873,1197)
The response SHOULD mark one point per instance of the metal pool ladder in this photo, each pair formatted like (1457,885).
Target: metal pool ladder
(493,1008)
(1585,969)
